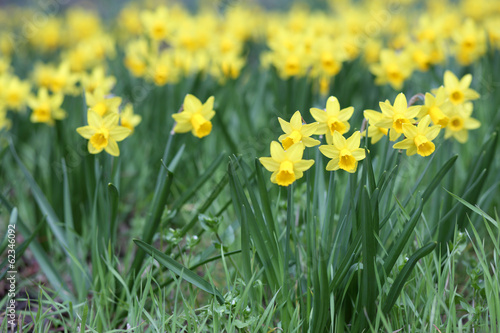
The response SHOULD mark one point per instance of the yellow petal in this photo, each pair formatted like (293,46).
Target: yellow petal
(92,149)
(119,133)
(277,151)
(400,104)
(358,154)
(303,165)
(410,131)
(208,107)
(404,144)
(450,80)
(353,142)
(285,126)
(338,140)
(346,114)
(86,131)
(112,148)
(333,165)
(111,120)
(295,152)
(269,163)
(318,115)
(332,105)
(94,119)
(296,121)
(191,103)
(309,129)
(329,151)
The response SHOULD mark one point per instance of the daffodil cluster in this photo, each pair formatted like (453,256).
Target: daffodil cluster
(449,108)
(286,161)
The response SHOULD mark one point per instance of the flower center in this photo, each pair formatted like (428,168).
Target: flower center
(201,126)
(42,114)
(335,125)
(292,66)
(100,139)
(14,99)
(293,138)
(456,123)
(457,97)
(100,108)
(347,162)
(394,74)
(398,122)
(424,146)
(438,117)
(158,31)
(285,175)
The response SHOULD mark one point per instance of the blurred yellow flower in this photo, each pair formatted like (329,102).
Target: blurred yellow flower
(419,138)
(286,166)
(156,23)
(461,122)
(296,132)
(344,153)
(46,108)
(101,103)
(128,119)
(14,92)
(103,133)
(458,91)
(195,117)
(394,68)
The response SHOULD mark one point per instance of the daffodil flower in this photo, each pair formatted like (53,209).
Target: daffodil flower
(332,118)
(344,153)
(437,107)
(395,116)
(419,138)
(295,132)
(195,117)
(458,91)
(461,122)
(374,132)
(128,119)
(99,102)
(286,166)
(103,133)
(46,108)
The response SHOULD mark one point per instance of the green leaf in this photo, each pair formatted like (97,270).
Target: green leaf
(404,275)
(180,270)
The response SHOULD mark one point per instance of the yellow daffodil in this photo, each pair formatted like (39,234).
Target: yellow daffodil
(344,153)
(458,91)
(296,132)
(286,165)
(195,116)
(64,80)
(128,119)
(14,92)
(98,79)
(437,107)
(103,133)
(419,138)
(470,42)
(395,116)
(332,118)
(461,122)
(394,68)
(156,23)
(46,108)
(102,104)
(374,132)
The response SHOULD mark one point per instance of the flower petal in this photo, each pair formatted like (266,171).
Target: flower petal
(353,141)
(119,133)
(296,121)
(277,152)
(269,163)
(400,104)
(295,152)
(191,103)
(110,120)
(332,106)
(112,148)
(303,165)
(410,131)
(318,115)
(333,165)
(338,140)
(86,131)
(329,151)
(94,119)
(285,125)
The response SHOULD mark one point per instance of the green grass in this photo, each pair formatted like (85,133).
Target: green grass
(179,234)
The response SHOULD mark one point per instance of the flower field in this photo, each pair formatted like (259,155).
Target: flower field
(245,166)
